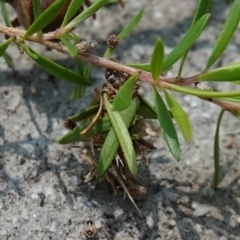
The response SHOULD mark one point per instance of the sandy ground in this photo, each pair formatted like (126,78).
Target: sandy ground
(42,189)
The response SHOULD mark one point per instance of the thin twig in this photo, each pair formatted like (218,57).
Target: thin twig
(106,63)
(97,115)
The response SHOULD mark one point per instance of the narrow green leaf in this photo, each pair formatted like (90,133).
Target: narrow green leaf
(185,44)
(111,144)
(87,112)
(77,92)
(102,125)
(226,34)
(71,48)
(4,45)
(5,14)
(146,110)
(157,59)
(180,116)
(7,59)
(231,99)
(216,152)
(203,93)
(124,33)
(72,9)
(223,74)
(80,66)
(142,66)
(203,7)
(45,18)
(237,115)
(167,126)
(84,15)
(56,69)
(130,26)
(124,95)
(124,139)
(36,8)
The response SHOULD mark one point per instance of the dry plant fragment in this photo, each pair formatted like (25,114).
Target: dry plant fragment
(85,47)
(113,41)
(69,124)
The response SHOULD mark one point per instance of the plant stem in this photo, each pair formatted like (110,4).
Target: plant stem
(163,82)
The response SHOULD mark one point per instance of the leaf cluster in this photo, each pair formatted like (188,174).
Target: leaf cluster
(114,117)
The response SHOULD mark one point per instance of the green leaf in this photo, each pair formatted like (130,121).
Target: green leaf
(72,9)
(5,45)
(56,69)
(142,66)
(167,126)
(85,113)
(130,26)
(180,116)
(36,8)
(203,93)
(157,59)
(223,74)
(111,144)
(124,95)
(7,59)
(231,99)
(77,92)
(45,18)
(124,139)
(5,14)
(216,152)
(124,33)
(84,15)
(226,34)
(203,7)
(185,44)
(71,48)
(146,110)
(102,125)
(237,115)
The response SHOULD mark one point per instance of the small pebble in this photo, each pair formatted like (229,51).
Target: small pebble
(222,238)
(199,228)
(200,211)
(53,227)
(172,223)
(194,205)
(232,222)
(150,221)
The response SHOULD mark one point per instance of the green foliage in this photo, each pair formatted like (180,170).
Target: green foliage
(120,125)
(167,126)
(157,59)
(118,113)
(216,152)
(124,96)
(185,44)
(124,33)
(226,34)
(180,116)
(116,136)
(56,69)
(44,18)
(72,9)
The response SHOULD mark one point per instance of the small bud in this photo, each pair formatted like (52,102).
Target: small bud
(69,124)
(113,41)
